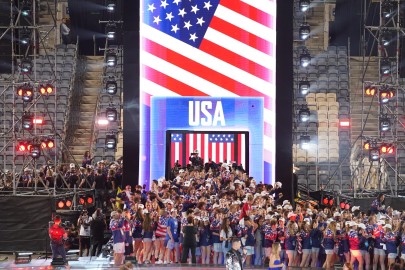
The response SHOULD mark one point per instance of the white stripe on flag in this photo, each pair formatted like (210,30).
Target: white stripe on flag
(186,77)
(242,154)
(199,144)
(156,90)
(221,152)
(206,157)
(214,152)
(228,152)
(176,151)
(245,23)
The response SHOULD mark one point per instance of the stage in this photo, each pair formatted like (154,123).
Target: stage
(95,263)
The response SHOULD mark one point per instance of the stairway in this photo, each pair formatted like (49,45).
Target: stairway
(92,83)
(47,31)
(358,110)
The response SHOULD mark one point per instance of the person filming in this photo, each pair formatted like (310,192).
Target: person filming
(58,235)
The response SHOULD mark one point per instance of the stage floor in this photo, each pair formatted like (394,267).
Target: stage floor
(95,263)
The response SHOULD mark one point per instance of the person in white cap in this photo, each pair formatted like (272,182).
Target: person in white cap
(391,247)
(354,244)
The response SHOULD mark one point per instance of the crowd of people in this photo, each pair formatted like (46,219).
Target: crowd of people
(197,216)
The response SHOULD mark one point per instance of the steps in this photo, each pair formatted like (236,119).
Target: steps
(359,109)
(47,31)
(92,83)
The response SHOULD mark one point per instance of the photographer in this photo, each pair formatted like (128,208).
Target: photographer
(196,160)
(84,232)
(57,235)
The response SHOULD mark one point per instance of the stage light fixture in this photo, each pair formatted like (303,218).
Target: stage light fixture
(38,120)
(22,146)
(304,114)
(27,121)
(26,66)
(304,86)
(89,199)
(111,6)
(344,123)
(385,124)
(111,114)
(102,122)
(331,201)
(110,30)
(385,67)
(26,92)
(374,154)
(367,145)
(25,36)
(386,94)
(61,204)
(325,201)
(387,9)
(387,149)
(304,31)
(35,151)
(46,89)
(111,87)
(82,200)
(304,141)
(370,90)
(69,203)
(26,8)
(111,59)
(110,141)
(386,37)
(304,5)
(305,59)
(344,205)
(48,143)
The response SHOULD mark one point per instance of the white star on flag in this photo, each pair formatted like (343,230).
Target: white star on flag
(194,9)
(169,16)
(187,25)
(176,2)
(200,21)
(193,37)
(156,19)
(182,12)
(207,5)
(174,28)
(151,8)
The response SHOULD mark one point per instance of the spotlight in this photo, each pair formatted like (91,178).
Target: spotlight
(367,145)
(38,121)
(374,154)
(111,87)
(304,114)
(48,144)
(386,37)
(82,200)
(111,114)
(370,90)
(35,151)
(304,5)
(61,204)
(304,31)
(68,203)
(386,94)
(110,30)
(46,89)
(110,141)
(387,149)
(26,66)
(26,8)
(304,141)
(385,67)
(89,199)
(344,205)
(110,6)
(103,122)
(385,124)
(387,9)
(22,146)
(27,121)
(305,59)
(304,86)
(325,201)
(26,92)
(331,201)
(25,36)
(111,59)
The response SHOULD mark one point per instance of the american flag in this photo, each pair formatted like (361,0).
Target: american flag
(219,48)
(218,147)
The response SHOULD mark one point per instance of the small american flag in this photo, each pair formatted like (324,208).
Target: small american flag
(176,148)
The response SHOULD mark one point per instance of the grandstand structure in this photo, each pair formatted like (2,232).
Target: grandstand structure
(337,126)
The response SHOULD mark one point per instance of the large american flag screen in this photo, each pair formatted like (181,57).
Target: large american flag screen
(216,48)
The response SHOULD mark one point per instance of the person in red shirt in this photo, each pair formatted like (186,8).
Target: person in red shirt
(247,207)
(57,234)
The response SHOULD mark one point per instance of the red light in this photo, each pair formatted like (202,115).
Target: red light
(28,92)
(29,147)
(387,149)
(51,144)
(61,204)
(325,201)
(331,202)
(89,200)
(347,206)
(81,201)
(38,121)
(342,205)
(344,123)
(43,145)
(21,148)
(69,203)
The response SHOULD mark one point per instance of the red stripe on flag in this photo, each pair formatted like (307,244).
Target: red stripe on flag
(204,72)
(242,35)
(172,153)
(145,97)
(170,83)
(209,151)
(233,152)
(236,60)
(249,12)
(218,158)
(202,155)
(186,142)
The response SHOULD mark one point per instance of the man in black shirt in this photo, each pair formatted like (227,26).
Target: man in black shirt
(97,227)
(99,185)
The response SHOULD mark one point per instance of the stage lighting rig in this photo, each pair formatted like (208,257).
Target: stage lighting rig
(47,143)
(46,89)
(26,92)
(304,5)
(27,121)
(304,31)
(111,141)
(385,123)
(25,66)
(111,114)
(370,90)
(387,9)
(111,6)
(304,141)
(387,148)
(25,37)
(386,94)
(26,7)
(111,58)
(386,37)
(110,30)
(304,114)
(385,67)
(305,58)
(35,151)
(304,86)
(111,86)
(374,154)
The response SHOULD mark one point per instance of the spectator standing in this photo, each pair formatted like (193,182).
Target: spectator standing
(99,185)
(234,259)
(97,226)
(65,31)
(189,240)
(116,226)
(87,159)
(57,235)
(172,236)
(84,233)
